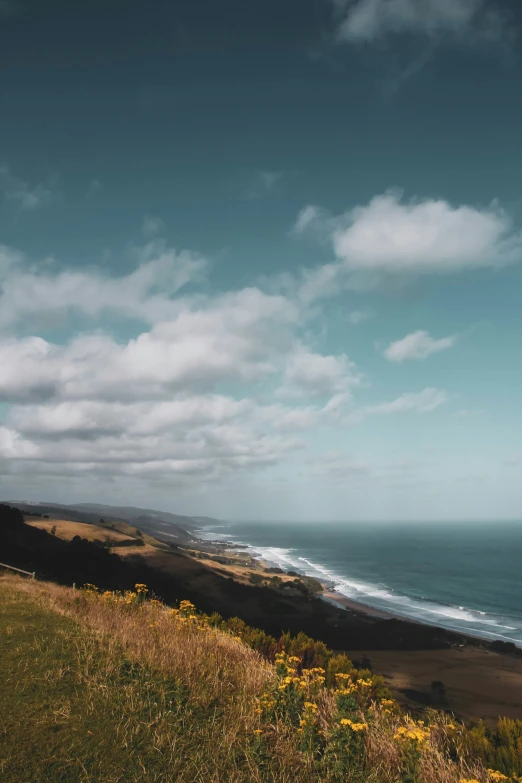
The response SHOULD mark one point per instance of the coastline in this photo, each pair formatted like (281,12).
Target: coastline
(331,596)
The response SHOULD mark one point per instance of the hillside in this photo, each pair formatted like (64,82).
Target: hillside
(116,687)
(162,525)
(67,530)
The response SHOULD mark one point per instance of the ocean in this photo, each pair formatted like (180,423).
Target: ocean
(462,576)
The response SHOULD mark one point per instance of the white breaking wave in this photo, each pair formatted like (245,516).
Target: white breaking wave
(379,596)
(382,597)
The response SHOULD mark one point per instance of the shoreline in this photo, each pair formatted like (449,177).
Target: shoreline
(331,596)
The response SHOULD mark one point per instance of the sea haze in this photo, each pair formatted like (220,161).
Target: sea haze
(462,576)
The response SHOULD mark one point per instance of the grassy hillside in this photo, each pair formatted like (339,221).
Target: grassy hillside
(113,687)
(66,530)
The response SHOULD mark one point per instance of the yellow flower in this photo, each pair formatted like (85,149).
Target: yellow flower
(494,775)
(354,726)
(258,731)
(413,732)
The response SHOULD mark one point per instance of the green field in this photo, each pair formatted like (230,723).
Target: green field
(71,711)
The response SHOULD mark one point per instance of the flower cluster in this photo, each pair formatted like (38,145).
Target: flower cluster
(415,732)
(354,726)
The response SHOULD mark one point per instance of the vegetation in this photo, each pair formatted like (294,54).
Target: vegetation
(112,686)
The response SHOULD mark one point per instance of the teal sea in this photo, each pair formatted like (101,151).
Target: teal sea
(461,576)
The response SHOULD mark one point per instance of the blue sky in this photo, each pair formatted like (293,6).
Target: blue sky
(262,260)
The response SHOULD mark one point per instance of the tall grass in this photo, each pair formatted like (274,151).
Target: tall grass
(192,702)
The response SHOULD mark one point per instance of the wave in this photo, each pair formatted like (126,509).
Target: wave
(380,596)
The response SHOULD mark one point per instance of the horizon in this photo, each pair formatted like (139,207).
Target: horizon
(263,257)
(253,521)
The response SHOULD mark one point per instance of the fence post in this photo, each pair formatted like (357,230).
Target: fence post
(34,574)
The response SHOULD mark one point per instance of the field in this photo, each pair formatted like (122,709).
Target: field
(479,684)
(115,688)
(66,530)
(84,705)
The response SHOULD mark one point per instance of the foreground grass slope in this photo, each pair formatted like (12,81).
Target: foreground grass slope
(104,687)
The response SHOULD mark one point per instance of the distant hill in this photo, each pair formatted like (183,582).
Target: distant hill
(132,512)
(162,525)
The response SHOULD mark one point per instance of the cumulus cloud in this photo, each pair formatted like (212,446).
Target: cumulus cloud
(316,375)
(391,236)
(32,292)
(365,21)
(232,339)
(152,406)
(27,197)
(183,401)
(417,345)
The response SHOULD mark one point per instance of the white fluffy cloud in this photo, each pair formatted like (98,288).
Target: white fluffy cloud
(369,20)
(391,235)
(316,375)
(417,345)
(184,399)
(29,292)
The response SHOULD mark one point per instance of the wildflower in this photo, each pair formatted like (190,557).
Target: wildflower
(413,732)
(496,776)
(354,726)
(258,732)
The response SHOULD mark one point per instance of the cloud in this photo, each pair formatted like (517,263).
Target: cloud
(316,375)
(390,236)
(427,400)
(308,216)
(239,337)
(34,292)
(153,407)
(366,21)
(27,197)
(417,345)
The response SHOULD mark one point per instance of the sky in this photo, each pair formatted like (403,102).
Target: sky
(262,260)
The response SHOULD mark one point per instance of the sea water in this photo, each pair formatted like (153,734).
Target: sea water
(462,576)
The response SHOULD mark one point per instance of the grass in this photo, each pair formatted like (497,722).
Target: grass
(106,689)
(67,529)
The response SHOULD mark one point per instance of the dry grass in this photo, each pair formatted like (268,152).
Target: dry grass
(66,530)
(182,701)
